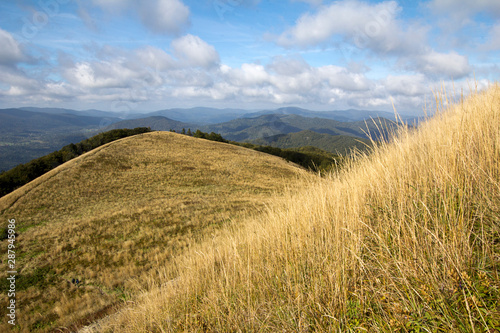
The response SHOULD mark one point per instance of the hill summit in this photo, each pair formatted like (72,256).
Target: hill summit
(92,231)
(405,239)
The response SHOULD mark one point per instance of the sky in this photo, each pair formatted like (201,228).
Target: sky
(140,56)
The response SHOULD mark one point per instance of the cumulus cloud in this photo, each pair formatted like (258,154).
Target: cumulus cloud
(406,85)
(291,80)
(373,26)
(451,65)
(10,52)
(101,75)
(193,51)
(164,16)
(247,75)
(154,58)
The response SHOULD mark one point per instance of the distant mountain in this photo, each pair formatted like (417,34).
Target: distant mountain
(21,121)
(31,132)
(210,116)
(249,129)
(157,123)
(26,135)
(336,144)
(200,115)
(341,115)
(111,116)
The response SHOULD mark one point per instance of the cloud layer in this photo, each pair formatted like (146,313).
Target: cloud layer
(379,57)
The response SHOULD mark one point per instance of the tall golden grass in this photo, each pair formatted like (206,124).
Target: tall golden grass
(112,216)
(406,238)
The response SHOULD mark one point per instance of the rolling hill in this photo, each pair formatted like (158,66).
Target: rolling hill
(249,129)
(113,217)
(31,132)
(199,115)
(339,115)
(404,239)
(336,144)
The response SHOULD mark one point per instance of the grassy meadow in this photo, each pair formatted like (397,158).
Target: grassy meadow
(406,238)
(115,215)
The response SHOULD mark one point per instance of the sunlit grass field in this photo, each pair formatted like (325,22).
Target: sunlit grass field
(116,215)
(406,238)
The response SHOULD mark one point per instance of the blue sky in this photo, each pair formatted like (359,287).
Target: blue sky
(130,55)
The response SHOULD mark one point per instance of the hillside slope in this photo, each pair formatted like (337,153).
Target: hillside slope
(406,239)
(335,144)
(114,216)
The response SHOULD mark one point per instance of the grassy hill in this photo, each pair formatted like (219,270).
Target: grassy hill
(115,216)
(406,239)
(335,144)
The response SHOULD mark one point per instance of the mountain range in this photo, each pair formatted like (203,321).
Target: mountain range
(30,132)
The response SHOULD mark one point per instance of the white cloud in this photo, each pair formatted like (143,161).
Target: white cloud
(164,16)
(373,26)
(100,75)
(406,85)
(289,66)
(450,65)
(153,58)
(193,51)
(247,75)
(10,52)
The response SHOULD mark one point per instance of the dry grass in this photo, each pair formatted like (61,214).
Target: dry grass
(405,239)
(111,217)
